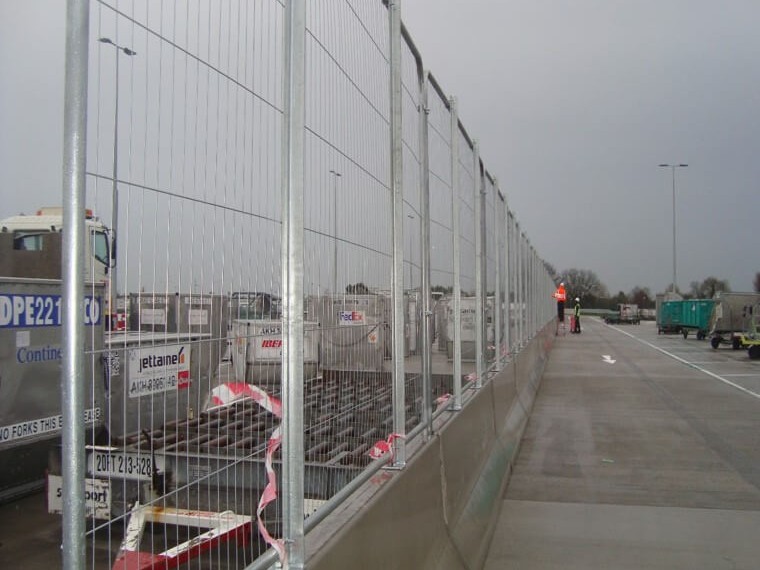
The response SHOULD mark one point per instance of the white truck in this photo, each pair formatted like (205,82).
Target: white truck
(41,233)
(30,340)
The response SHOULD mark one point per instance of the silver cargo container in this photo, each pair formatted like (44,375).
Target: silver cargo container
(441,313)
(730,317)
(257,351)
(202,313)
(153,312)
(468,330)
(30,376)
(354,330)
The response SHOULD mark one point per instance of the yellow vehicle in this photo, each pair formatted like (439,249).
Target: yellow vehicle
(750,339)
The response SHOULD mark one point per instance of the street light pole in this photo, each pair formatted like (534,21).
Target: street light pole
(673,172)
(114,190)
(335,175)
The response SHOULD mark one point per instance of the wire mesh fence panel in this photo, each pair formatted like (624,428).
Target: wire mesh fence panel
(490,271)
(502,302)
(441,241)
(411,114)
(186,308)
(185,112)
(347,241)
(467,255)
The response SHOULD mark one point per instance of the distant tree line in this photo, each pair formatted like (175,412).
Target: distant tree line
(585,284)
(593,293)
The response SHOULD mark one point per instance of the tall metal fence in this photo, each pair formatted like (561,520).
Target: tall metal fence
(308,261)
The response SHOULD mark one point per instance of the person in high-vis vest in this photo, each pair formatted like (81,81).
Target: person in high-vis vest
(577,317)
(561,295)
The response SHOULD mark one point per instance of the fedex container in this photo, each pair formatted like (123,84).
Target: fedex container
(355,330)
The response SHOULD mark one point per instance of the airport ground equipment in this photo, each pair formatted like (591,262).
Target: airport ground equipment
(626,313)
(695,316)
(730,318)
(750,338)
(669,316)
(354,330)
(468,330)
(256,348)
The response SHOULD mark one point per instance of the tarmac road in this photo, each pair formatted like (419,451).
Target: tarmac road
(642,451)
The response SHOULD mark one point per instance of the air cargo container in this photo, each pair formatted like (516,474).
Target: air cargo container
(669,316)
(468,329)
(354,330)
(730,318)
(695,316)
(257,350)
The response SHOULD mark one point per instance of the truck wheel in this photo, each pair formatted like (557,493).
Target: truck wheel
(685,333)
(736,343)
(715,342)
(700,335)
(754,351)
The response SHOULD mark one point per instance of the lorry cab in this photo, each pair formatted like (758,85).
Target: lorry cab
(31,246)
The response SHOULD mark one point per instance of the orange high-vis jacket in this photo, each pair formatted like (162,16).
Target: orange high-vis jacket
(560,294)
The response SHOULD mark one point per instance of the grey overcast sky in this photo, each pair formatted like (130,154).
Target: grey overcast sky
(574,105)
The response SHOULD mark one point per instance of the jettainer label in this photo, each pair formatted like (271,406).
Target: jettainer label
(158,369)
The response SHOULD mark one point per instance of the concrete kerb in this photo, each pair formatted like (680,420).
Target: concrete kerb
(440,511)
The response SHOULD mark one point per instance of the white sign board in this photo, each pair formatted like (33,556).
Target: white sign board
(153,316)
(97,497)
(198,317)
(157,369)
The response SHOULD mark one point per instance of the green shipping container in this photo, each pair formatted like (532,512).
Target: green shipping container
(695,316)
(670,317)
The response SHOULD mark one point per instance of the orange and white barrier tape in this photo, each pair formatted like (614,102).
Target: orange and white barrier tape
(442,400)
(230,392)
(384,446)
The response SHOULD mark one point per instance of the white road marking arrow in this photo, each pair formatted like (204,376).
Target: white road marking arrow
(608,359)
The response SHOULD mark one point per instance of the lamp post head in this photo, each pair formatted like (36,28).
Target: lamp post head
(109,41)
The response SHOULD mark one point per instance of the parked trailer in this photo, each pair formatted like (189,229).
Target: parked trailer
(750,338)
(30,377)
(626,313)
(730,318)
(215,460)
(669,317)
(695,315)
